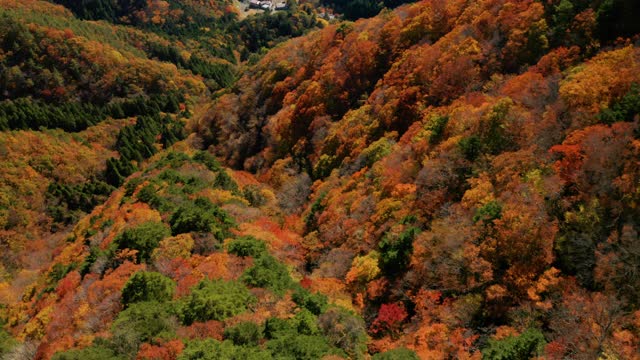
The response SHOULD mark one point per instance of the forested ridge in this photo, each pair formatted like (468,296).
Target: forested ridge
(442,179)
(128,86)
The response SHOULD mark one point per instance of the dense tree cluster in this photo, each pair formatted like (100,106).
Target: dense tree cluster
(83,105)
(141,61)
(453,148)
(173,17)
(265,30)
(449,179)
(58,66)
(138,142)
(356,9)
(153,303)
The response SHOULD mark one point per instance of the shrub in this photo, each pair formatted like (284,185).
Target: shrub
(172,159)
(276,327)
(141,322)
(201,216)
(315,303)
(149,194)
(247,246)
(345,331)
(215,300)
(245,333)
(254,195)
(396,354)
(267,272)
(7,343)
(437,125)
(57,273)
(301,347)
(148,286)
(89,353)
(225,182)
(395,252)
(207,160)
(389,320)
(210,349)
(624,109)
(525,346)
(305,323)
(489,212)
(143,238)
(132,185)
(470,147)
(376,151)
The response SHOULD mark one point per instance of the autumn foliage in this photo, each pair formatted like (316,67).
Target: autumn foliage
(447,179)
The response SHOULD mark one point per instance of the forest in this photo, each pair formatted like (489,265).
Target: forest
(435,179)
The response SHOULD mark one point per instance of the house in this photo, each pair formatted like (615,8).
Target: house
(281,5)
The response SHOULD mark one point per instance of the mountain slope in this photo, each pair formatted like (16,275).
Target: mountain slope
(473,168)
(449,179)
(91,82)
(113,81)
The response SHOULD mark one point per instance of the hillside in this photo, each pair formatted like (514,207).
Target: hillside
(100,87)
(445,180)
(473,168)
